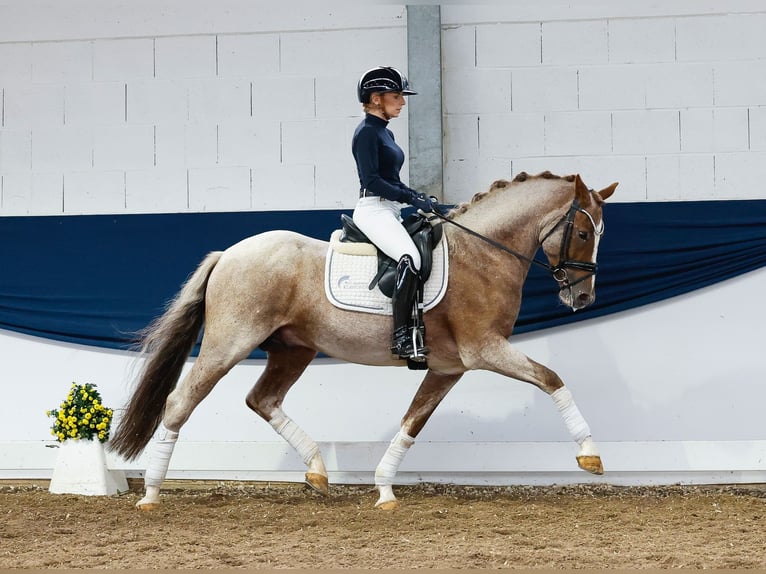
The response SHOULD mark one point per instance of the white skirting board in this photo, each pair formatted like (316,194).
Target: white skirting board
(467,463)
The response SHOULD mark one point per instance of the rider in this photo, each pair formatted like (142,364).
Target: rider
(378,158)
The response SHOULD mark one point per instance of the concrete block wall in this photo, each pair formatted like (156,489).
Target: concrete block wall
(167,107)
(668,100)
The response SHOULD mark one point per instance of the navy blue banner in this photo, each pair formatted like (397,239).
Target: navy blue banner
(96,280)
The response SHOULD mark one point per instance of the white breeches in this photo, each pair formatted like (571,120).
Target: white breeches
(380,220)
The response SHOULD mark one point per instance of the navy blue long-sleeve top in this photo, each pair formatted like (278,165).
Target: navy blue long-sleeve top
(379,159)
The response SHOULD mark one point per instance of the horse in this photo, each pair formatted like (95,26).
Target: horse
(266,292)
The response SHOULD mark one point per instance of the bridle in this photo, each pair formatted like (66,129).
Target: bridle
(558,271)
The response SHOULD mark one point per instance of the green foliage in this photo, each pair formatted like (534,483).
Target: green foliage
(81,416)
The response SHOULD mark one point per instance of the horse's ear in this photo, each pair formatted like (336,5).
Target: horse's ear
(607,192)
(581,190)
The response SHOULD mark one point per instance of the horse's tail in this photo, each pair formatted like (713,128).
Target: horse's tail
(167,342)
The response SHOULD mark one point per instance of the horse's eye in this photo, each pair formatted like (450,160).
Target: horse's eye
(583,235)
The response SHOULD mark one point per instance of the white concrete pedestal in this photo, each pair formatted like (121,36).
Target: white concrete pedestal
(81,469)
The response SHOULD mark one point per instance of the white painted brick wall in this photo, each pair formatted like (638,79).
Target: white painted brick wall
(15,150)
(94,104)
(219,189)
(15,63)
(123,147)
(62,149)
(156,190)
(123,60)
(670,100)
(26,105)
(92,191)
(27,193)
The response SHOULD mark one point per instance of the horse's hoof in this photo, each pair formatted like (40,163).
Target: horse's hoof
(590,463)
(388,505)
(147,506)
(318,482)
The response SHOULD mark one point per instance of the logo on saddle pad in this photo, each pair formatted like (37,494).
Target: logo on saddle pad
(350,269)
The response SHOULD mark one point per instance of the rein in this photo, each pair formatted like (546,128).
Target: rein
(559,272)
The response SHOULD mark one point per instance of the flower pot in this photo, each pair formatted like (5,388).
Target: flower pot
(81,469)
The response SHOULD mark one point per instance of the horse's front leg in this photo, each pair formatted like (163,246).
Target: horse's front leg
(283,367)
(428,396)
(501,357)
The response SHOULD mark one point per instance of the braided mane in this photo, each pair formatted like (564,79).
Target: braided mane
(502,184)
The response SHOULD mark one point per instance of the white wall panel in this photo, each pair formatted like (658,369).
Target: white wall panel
(15,150)
(283,187)
(740,83)
(336,97)
(757,128)
(634,41)
(15,63)
(578,133)
(248,56)
(645,132)
(61,149)
(725,37)
(155,101)
(250,142)
(217,100)
(123,147)
(575,42)
(545,89)
(679,85)
(680,177)
(55,62)
(123,59)
(284,97)
(186,145)
(94,104)
(740,175)
(615,87)
(349,51)
(26,105)
(185,57)
(24,193)
(512,135)
(474,90)
(94,192)
(722,129)
(156,190)
(219,189)
(506,45)
(316,141)
(336,185)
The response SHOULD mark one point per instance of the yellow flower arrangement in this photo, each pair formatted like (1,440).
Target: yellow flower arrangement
(81,415)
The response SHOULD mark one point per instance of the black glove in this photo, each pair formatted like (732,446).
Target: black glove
(420,201)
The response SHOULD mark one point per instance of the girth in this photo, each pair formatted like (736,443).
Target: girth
(424,235)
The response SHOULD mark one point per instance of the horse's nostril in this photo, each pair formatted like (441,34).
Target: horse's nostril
(584,299)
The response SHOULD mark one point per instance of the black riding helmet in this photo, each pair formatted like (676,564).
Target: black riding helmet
(381,80)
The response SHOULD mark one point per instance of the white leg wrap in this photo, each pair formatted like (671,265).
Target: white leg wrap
(294,435)
(159,460)
(389,464)
(573,420)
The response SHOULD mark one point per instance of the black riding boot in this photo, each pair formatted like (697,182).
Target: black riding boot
(403,301)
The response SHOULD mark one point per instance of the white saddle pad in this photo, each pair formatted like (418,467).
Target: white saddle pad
(350,267)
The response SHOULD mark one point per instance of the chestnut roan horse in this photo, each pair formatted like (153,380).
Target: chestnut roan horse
(267,291)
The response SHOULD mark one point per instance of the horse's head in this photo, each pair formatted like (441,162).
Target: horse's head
(571,245)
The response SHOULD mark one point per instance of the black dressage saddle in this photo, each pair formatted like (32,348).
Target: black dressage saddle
(425,236)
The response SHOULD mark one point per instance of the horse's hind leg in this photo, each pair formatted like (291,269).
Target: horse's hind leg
(283,367)
(207,370)
(428,396)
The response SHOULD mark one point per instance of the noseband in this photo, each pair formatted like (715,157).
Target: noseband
(558,271)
